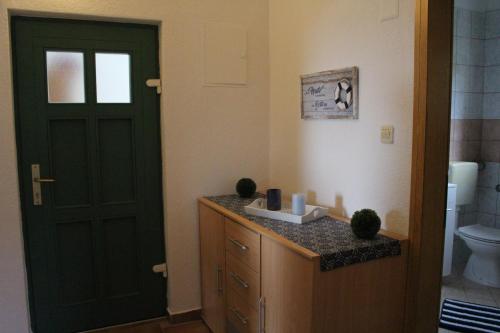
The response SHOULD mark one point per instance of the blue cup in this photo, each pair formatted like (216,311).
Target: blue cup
(274,199)
(298,204)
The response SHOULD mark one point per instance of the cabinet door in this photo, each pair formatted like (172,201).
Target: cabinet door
(212,268)
(287,289)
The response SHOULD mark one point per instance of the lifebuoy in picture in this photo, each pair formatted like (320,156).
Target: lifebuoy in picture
(343,94)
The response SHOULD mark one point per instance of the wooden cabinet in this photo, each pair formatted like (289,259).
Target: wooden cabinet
(212,259)
(287,289)
(240,316)
(254,281)
(243,244)
(243,279)
(361,298)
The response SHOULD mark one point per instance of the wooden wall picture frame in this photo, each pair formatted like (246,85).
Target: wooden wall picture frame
(330,94)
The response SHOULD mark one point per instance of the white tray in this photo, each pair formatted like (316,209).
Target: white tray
(258,208)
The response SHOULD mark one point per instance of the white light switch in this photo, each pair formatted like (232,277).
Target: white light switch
(387,134)
(388,10)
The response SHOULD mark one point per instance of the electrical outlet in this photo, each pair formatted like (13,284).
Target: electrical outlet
(387,134)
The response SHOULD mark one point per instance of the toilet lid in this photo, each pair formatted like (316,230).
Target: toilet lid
(481,232)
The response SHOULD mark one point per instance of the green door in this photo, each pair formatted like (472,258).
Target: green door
(90,171)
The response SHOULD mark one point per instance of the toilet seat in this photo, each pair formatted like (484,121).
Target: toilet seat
(481,233)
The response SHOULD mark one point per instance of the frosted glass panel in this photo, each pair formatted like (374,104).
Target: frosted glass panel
(112,77)
(65,78)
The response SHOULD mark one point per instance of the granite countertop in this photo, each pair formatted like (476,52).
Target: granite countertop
(332,240)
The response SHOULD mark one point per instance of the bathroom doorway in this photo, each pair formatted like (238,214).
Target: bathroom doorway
(470,292)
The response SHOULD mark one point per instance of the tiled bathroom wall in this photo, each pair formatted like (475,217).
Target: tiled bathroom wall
(467,83)
(475,131)
(489,176)
(488,199)
(490,146)
(475,123)
(476,84)
(468,64)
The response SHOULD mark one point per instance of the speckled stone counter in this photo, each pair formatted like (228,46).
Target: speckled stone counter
(333,240)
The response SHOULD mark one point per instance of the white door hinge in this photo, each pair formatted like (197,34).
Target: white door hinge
(154,83)
(161,268)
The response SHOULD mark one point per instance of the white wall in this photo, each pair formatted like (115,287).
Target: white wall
(342,162)
(211,136)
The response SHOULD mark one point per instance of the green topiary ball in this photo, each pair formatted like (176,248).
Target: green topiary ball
(246,187)
(365,223)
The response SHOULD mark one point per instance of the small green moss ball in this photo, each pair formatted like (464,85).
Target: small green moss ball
(365,223)
(246,187)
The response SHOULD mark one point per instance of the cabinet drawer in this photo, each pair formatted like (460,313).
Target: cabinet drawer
(244,281)
(243,244)
(241,317)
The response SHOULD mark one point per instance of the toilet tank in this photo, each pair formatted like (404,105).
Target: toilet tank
(464,175)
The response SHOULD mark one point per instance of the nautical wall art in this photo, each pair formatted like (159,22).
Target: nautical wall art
(330,94)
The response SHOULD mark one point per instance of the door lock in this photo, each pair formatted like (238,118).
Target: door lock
(36,182)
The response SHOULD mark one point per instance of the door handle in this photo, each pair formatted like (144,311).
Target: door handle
(262,315)
(238,279)
(238,244)
(238,314)
(36,182)
(220,288)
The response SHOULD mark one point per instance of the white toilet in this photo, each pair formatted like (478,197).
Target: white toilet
(483,265)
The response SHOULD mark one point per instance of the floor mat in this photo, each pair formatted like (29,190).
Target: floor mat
(469,317)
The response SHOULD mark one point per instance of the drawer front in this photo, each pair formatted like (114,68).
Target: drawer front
(244,281)
(241,317)
(243,244)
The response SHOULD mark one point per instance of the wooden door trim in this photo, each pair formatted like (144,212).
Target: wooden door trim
(431,126)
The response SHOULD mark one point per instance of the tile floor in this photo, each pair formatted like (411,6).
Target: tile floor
(457,287)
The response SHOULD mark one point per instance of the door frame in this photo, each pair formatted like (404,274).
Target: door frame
(58,17)
(430,151)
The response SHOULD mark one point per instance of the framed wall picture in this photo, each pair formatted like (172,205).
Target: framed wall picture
(330,94)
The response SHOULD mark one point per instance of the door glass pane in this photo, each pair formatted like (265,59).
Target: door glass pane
(112,77)
(65,79)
